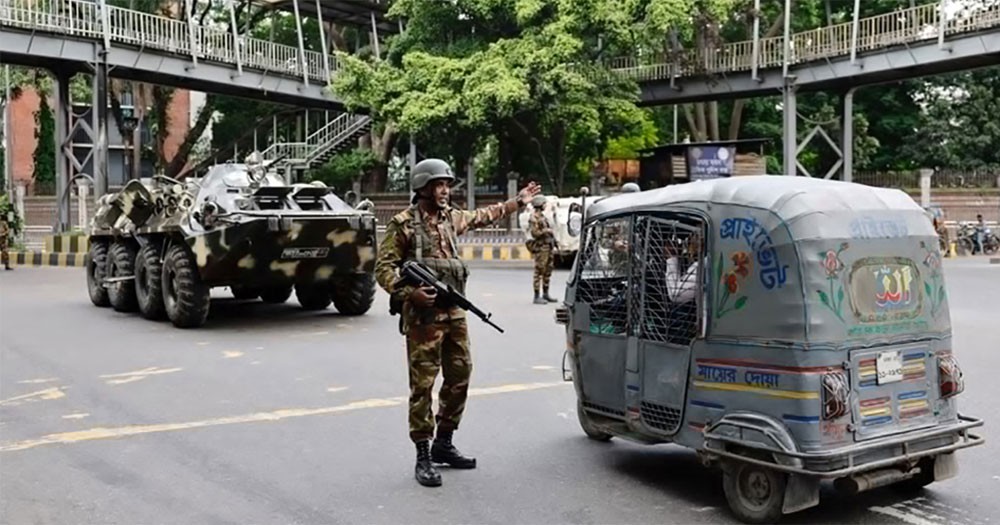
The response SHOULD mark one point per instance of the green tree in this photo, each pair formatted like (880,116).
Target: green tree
(526,72)
(45,151)
(957,127)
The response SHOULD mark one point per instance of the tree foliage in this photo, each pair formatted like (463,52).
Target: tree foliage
(45,151)
(525,71)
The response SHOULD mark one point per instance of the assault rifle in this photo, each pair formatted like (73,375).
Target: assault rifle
(416,274)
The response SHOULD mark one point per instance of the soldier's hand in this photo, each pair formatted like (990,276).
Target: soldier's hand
(423,297)
(528,192)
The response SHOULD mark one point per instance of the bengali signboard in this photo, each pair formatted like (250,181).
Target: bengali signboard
(710,162)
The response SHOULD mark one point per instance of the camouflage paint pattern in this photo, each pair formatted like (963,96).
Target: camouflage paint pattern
(431,348)
(398,245)
(437,339)
(242,229)
(544,242)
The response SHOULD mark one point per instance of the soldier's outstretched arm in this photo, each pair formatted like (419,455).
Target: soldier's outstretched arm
(471,220)
(391,251)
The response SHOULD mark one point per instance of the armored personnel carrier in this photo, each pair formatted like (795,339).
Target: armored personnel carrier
(159,245)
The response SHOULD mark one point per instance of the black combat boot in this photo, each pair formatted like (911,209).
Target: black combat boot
(444,452)
(549,298)
(425,472)
(538,298)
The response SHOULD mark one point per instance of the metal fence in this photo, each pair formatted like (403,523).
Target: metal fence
(941,179)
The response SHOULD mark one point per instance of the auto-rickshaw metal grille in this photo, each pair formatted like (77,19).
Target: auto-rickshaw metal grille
(666,273)
(660,417)
(603,409)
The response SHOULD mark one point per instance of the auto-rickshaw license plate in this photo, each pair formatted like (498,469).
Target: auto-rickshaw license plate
(889,367)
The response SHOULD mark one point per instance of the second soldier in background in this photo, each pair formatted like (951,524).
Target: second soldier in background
(543,241)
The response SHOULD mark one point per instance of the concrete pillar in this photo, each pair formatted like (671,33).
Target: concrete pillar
(64,151)
(19,190)
(83,190)
(511,193)
(847,142)
(471,185)
(790,133)
(925,187)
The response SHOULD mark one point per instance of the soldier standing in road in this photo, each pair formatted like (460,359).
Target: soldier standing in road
(436,338)
(543,240)
(4,236)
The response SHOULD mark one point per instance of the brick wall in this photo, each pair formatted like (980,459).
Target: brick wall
(24,141)
(23,135)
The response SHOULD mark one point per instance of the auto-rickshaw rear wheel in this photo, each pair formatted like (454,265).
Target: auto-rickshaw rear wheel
(588,426)
(755,494)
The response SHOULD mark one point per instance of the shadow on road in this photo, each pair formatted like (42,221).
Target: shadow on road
(680,476)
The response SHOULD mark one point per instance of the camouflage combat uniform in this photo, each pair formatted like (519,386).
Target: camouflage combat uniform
(436,338)
(544,239)
(4,236)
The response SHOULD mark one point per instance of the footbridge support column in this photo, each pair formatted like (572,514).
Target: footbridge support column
(847,140)
(790,134)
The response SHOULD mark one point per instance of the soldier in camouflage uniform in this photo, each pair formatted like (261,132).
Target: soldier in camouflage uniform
(436,338)
(543,240)
(4,236)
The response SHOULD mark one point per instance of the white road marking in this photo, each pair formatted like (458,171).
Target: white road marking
(229,354)
(78,415)
(138,375)
(37,381)
(99,433)
(912,519)
(49,393)
(336,389)
(543,367)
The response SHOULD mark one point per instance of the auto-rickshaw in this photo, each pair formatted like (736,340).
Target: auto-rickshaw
(788,329)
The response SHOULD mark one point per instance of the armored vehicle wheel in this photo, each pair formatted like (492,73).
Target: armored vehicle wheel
(276,295)
(121,263)
(353,295)
(312,296)
(755,494)
(149,282)
(185,297)
(244,292)
(588,426)
(97,263)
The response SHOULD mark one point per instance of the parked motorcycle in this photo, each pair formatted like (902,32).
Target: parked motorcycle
(967,234)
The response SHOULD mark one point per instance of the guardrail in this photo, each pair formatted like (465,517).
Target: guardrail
(117,25)
(905,26)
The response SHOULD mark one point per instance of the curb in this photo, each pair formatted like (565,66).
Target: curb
(65,243)
(44,258)
(484,252)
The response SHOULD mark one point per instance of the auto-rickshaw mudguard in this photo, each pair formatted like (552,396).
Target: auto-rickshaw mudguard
(801,492)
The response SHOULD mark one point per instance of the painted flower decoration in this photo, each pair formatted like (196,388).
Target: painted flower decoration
(731,283)
(742,262)
(932,261)
(831,263)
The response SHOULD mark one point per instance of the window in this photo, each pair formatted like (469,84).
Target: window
(602,281)
(667,277)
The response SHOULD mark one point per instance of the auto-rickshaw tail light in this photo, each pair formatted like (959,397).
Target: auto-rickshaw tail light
(950,378)
(836,395)
(562,315)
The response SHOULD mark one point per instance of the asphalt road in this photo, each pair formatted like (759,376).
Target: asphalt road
(269,414)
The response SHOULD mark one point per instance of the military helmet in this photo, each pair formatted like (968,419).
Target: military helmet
(538,201)
(428,170)
(630,187)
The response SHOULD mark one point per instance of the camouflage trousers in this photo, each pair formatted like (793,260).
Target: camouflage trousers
(543,268)
(433,347)
(4,254)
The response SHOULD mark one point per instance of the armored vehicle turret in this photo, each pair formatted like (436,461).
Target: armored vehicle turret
(159,245)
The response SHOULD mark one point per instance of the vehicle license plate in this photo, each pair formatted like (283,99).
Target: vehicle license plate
(304,253)
(889,367)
